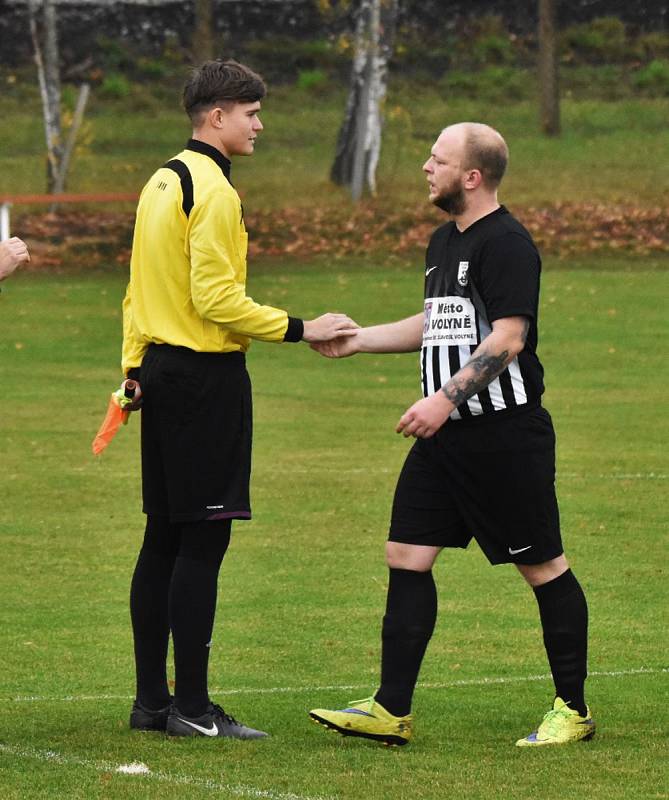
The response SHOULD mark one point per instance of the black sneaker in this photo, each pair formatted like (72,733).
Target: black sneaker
(143,719)
(214,722)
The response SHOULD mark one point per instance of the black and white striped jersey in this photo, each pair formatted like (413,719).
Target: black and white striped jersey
(489,271)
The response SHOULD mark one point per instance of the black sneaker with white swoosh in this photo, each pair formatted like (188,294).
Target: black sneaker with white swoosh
(214,723)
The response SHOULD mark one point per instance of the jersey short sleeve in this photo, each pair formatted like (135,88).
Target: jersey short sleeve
(509,276)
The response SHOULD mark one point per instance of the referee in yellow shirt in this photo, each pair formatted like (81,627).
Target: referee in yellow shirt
(187,324)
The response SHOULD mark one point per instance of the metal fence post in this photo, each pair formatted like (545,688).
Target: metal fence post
(4,221)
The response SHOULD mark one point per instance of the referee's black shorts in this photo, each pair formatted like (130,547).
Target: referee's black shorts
(196,434)
(491,479)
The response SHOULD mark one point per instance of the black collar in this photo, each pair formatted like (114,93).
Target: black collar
(207,150)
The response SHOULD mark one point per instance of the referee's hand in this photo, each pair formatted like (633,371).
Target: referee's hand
(133,392)
(327,327)
(425,417)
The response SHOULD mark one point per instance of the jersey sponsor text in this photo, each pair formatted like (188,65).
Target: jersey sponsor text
(449,320)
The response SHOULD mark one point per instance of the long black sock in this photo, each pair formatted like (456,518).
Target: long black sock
(192,605)
(411,612)
(564,618)
(148,610)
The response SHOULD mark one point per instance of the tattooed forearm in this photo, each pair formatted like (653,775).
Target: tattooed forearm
(477,373)
(491,357)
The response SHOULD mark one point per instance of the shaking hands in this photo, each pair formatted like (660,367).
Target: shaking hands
(328,327)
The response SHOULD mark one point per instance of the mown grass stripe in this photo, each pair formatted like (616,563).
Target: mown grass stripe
(492,681)
(237,790)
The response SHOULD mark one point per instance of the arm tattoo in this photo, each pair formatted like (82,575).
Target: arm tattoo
(481,369)
(486,367)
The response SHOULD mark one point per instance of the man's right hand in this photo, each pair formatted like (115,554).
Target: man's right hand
(328,327)
(338,348)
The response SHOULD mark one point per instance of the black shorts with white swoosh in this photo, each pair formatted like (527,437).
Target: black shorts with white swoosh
(491,479)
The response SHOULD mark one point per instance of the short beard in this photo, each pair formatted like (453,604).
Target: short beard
(453,202)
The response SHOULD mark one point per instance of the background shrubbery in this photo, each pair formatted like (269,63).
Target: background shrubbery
(484,56)
(600,58)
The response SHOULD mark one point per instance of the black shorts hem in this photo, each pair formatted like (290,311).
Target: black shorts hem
(492,555)
(435,540)
(526,562)
(198,516)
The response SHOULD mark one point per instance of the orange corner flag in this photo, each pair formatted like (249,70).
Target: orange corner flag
(115,416)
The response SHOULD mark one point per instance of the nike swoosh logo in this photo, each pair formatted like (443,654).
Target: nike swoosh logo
(213,731)
(428,271)
(520,550)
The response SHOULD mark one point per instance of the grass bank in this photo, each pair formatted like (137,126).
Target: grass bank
(610,152)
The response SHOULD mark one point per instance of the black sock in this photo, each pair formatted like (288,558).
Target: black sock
(148,610)
(192,605)
(564,618)
(411,612)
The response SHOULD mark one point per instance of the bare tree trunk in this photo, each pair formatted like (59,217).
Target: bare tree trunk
(359,140)
(203,33)
(548,68)
(82,99)
(48,73)
(44,34)
(342,168)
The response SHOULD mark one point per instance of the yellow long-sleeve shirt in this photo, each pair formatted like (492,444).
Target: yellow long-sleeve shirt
(188,267)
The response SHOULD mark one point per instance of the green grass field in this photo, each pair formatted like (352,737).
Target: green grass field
(303,587)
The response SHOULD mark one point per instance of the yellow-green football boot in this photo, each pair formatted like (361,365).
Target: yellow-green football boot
(368,719)
(560,726)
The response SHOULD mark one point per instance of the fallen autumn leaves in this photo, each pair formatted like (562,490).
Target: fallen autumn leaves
(82,238)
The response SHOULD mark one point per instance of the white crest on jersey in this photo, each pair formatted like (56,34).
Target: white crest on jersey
(463,269)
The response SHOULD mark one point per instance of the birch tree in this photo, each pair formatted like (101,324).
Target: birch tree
(359,140)
(548,68)
(44,34)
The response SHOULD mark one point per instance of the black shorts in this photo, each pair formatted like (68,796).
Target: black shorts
(492,479)
(196,434)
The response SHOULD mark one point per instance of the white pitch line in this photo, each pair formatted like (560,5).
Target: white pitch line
(238,790)
(345,687)
(616,476)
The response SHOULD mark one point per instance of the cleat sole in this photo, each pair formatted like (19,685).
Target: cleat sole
(586,738)
(389,741)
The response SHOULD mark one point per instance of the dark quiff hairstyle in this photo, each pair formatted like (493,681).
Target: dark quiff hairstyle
(486,151)
(222,83)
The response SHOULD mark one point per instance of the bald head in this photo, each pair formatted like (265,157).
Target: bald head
(481,147)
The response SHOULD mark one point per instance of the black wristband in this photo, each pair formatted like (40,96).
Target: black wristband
(133,373)
(295,330)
